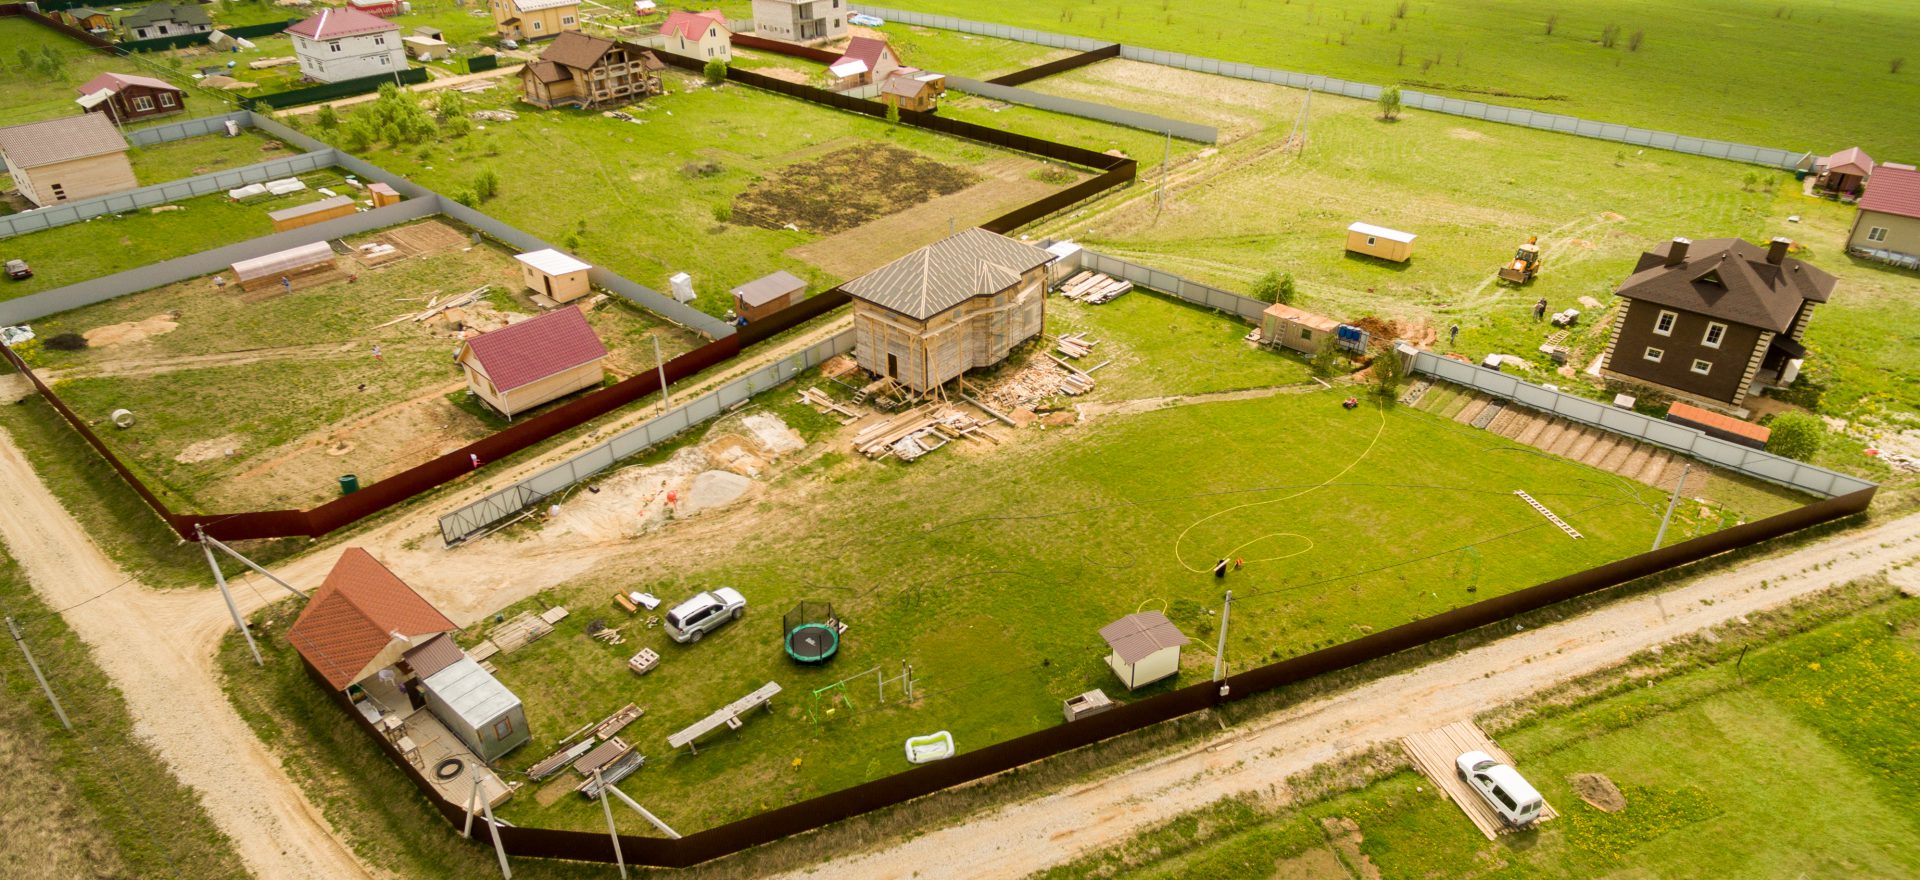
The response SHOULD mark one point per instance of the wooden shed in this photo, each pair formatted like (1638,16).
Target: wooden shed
(59,160)
(559,276)
(1296,329)
(959,303)
(291,264)
(1144,648)
(383,194)
(761,297)
(1379,241)
(311,213)
(521,366)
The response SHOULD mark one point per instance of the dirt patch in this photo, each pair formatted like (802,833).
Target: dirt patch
(1006,182)
(713,489)
(847,188)
(773,433)
(551,793)
(425,238)
(1344,833)
(1467,134)
(131,331)
(371,447)
(1598,791)
(784,74)
(1314,864)
(208,450)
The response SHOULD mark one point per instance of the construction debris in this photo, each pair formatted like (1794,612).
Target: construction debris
(827,406)
(552,764)
(1075,345)
(1094,288)
(516,633)
(919,431)
(618,721)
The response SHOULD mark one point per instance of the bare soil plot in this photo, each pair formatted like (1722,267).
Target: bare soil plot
(847,188)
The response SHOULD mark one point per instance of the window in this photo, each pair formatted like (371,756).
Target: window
(503,728)
(379,40)
(59,195)
(142,103)
(166,99)
(566,20)
(536,24)
(1370,241)
(713,32)
(333,46)
(386,60)
(1716,332)
(162,30)
(1877,233)
(1663,325)
(709,53)
(1306,333)
(1702,367)
(1505,798)
(1654,354)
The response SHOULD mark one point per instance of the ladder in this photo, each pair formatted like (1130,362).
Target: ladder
(1550,515)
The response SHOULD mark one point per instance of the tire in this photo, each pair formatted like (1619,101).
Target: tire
(737,612)
(695,638)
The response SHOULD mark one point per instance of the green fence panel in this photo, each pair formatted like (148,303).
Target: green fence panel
(260,30)
(162,44)
(332,91)
(479,63)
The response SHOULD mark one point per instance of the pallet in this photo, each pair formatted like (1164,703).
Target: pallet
(518,632)
(1433,753)
(553,763)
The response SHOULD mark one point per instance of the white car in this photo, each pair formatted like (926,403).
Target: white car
(864,20)
(1511,796)
(704,613)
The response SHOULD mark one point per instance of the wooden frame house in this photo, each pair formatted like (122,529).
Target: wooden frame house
(127,97)
(66,159)
(521,366)
(577,70)
(960,303)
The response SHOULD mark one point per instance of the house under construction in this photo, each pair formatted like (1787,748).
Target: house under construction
(949,307)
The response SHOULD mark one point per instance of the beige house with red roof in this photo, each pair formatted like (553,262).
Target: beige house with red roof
(866,61)
(521,366)
(343,44)
(702,35)
(1887,222)
(535,19)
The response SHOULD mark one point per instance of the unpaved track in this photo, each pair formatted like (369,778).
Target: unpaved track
(1019,839)
(158,648)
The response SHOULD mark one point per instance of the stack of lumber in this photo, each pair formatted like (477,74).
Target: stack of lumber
(1434,753)
(917,432)
(827,406)
(614,759)
(618,721)
(1077,382)
(516,633)
(551,764)
(1075,345)
(435,306)
(1094,288)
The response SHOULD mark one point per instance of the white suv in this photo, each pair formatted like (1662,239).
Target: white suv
(1501,786)
(704,613)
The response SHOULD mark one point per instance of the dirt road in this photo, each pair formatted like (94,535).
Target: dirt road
(158,648)
(1019,839)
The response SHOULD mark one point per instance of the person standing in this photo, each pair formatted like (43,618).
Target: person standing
(1453,333)
(1539,310)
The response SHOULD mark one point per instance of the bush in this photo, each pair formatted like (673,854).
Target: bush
(893,112)
(722,212)
(1796,435)
(328,118)
(1389,102)
(1326,359)
(1387,375)
(67,342)
(716,71)
(487,185)
(702,168)
(1274,287)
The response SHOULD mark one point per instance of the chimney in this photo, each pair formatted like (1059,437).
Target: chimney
(1677,253)
(1777,250)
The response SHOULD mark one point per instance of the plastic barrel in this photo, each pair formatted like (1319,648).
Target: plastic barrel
(349,484)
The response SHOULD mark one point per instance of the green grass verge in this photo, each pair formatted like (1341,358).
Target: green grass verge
(1500,51)
(97,802)
(192,156)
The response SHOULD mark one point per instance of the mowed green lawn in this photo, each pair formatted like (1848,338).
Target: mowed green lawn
(187,157)
(1800,764)
(1707,69)
(991,570)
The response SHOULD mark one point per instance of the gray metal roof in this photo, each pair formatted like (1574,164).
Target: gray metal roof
(60,140)
(761,291)
(473,694)
(947,273)
(1136,637)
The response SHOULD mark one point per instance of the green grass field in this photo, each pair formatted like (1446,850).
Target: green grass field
(1799,763)
(1707,69)
(98,802)
(948,563)
(173,160)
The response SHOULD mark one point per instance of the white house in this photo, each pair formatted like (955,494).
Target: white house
(343,44)
(801,21)
(701,35)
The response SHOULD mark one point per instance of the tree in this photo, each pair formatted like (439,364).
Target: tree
(1326,359)
(1387,374)
(1796,435)
(449,104)
(1389,101)
(328,118)
(1274,287)
(893,112)
(716,71)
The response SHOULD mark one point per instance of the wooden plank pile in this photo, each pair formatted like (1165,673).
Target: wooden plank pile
(552,764)
(1434,753)
(1094,288)
(918,431)
(516,633)
(614,759)
(827,406)
(618,721)
(435,307)
(1074,345)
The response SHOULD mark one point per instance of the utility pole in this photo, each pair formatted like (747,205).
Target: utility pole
(606,806)
(666,401)
(1166,156)
(1671,504)
(217,545)
(644,813)
(20,640)
(220,578)
(1220,653)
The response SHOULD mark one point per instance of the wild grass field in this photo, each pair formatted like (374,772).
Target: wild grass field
(1707,69)
(97,802)
(990,570)
(187,157)
(207,372)
(1792,760)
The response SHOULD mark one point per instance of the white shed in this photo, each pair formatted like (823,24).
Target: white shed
(477,708)
(1145,648)
(1379,241)
(561,277)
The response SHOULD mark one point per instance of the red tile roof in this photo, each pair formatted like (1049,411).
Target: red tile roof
(1851,160)
(118,81)
(1893,190)
(332,24)
(522,354)
(867,50)
(355,615)
(1718,422)
(693,25)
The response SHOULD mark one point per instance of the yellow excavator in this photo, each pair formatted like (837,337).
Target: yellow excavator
(1525,263)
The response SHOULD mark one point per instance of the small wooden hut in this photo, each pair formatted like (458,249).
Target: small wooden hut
(1296,329)
(1379,241)
(764,296)
(1144,648)
(559,276)
(521,366)
(311,213)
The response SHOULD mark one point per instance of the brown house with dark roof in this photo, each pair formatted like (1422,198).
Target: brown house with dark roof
(954,305)
(127,97)
(1707,321)
(577,70)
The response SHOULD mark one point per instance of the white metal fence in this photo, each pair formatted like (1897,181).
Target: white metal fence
(1662,140)
(1191,131)
(68,213)
(186,128)
(498,506)
(1169,283)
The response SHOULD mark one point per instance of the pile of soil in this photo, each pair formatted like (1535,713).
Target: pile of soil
(131,331)
(1598,791)
(847,188)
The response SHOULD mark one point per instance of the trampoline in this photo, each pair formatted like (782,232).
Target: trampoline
(811,633)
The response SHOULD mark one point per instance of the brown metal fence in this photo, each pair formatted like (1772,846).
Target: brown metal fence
(990,760)
(1042,71)
(778,47)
